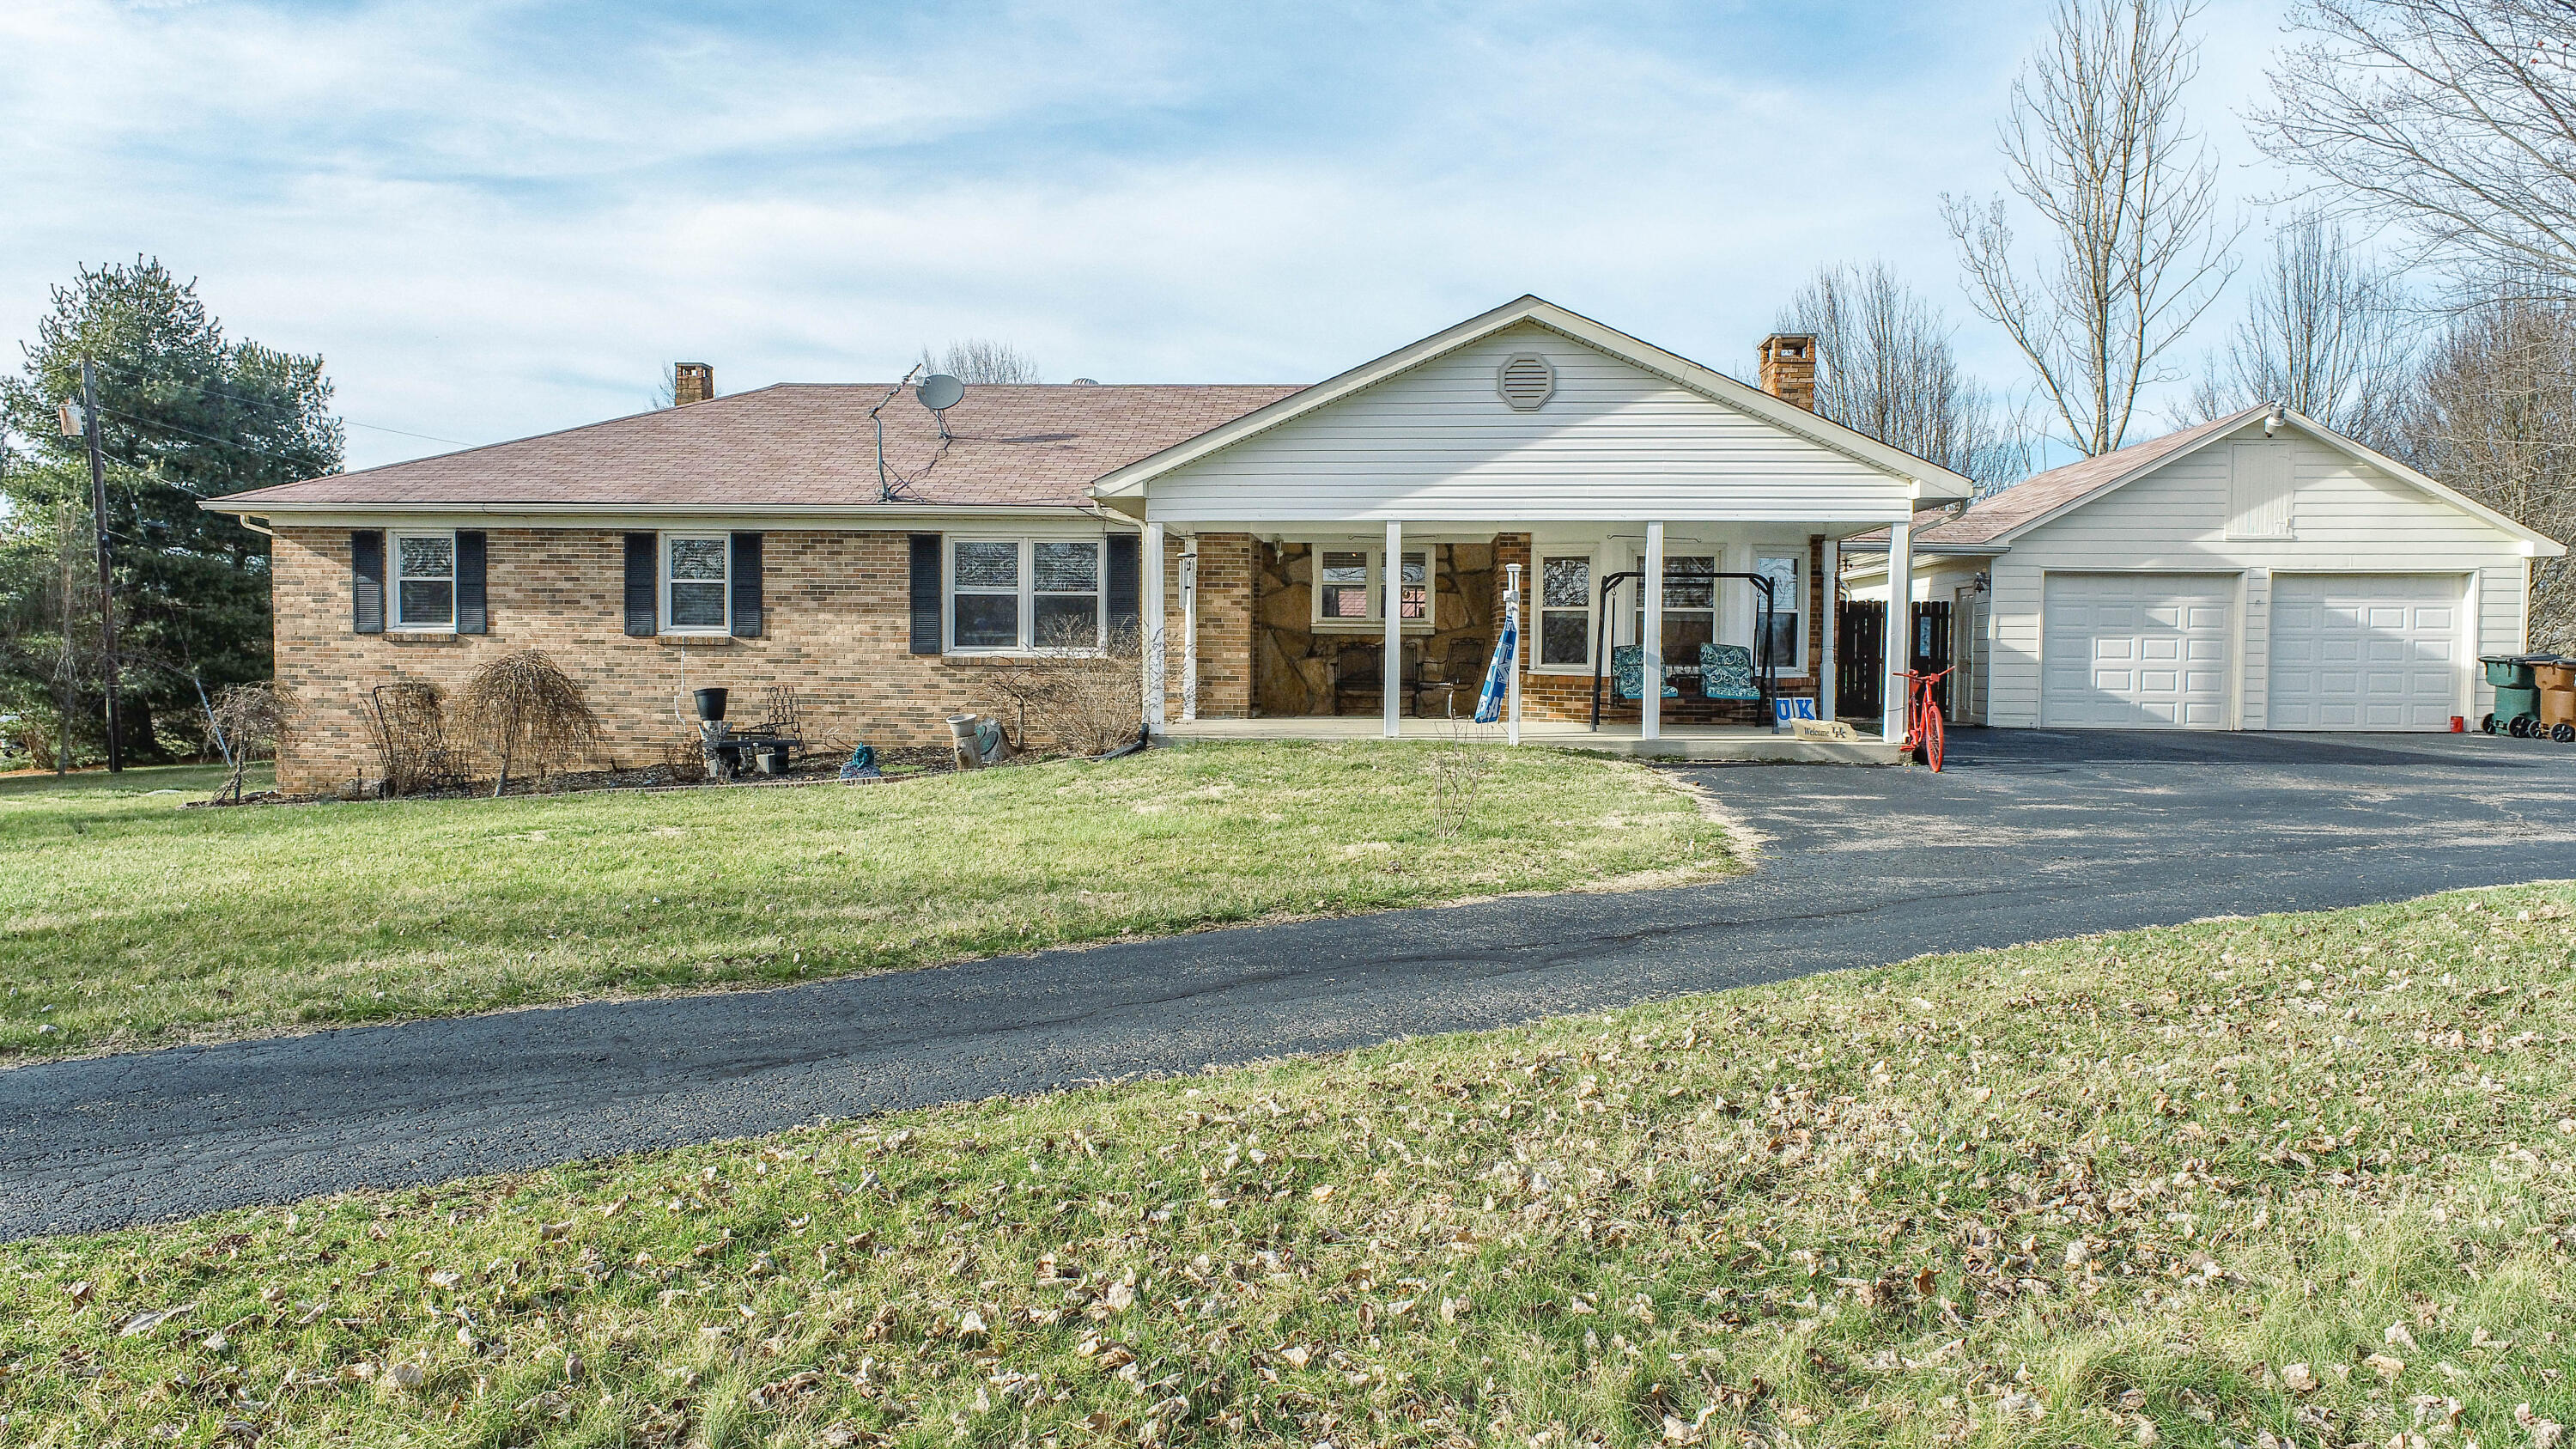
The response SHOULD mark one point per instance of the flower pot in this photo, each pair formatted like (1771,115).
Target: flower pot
(711,704)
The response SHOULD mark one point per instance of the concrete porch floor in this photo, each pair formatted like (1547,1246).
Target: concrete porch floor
(1679,742)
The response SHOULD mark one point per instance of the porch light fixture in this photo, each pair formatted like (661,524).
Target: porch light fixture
(2277,419)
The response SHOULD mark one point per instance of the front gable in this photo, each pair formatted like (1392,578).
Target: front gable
(2298,496)
(1531,420)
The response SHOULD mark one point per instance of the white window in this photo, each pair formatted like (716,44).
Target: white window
(1789,611)
(697,583)
(424,581)
(1690,609)
(1017,594)
(1350,586)
(1565,611)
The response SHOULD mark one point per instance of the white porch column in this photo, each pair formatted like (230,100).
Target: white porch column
(1390,671)
(1833,573)
(1151,565)
(1650,714)
(1899,647)
(1190,629)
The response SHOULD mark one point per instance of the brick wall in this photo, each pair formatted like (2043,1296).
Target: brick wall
(1226,574)
(836,619)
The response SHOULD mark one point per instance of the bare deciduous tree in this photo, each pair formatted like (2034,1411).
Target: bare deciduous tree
(2327,333)
(982,360)
(2497,420)
(2098,146)
(524,707)
(1885,368)
(2456,118)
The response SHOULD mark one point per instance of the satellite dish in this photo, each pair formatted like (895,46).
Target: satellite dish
(939,392)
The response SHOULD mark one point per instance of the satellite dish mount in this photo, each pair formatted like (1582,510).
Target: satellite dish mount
(939,392)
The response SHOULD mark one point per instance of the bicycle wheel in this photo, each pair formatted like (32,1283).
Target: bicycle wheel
(1934,737)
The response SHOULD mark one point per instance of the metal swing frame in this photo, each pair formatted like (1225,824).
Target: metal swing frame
(1766,669)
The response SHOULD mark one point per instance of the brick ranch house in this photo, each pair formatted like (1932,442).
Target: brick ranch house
(751,540)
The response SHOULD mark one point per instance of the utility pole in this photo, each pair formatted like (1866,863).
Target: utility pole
(106,572)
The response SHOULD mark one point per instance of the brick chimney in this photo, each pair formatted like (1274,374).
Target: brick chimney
(1789,368)
(694,382)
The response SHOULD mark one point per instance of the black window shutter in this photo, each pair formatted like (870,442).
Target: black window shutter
(925,593)
(1126,580)
(472,617)
(367,580)
(643,604)
(746,586)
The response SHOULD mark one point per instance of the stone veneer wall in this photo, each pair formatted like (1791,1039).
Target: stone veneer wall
(1293,664)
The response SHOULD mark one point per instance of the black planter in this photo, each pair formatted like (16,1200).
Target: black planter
(711,704)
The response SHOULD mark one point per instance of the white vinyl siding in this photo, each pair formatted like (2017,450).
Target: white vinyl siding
(2366,651)
(2261,479)
(2348,518)
(1438,443)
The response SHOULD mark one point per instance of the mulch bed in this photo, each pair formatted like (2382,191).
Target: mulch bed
(821,768)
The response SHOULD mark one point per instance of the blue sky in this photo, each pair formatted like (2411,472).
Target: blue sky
(496,218)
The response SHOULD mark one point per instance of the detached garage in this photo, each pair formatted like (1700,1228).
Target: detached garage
(2256,572)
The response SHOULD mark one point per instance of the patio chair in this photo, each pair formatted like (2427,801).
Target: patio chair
(1628,673)
(1726,672)
(781,718)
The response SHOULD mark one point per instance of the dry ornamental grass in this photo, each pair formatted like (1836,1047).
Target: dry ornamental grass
(2298,1181)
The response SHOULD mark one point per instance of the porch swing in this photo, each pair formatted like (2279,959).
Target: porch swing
(1762,688)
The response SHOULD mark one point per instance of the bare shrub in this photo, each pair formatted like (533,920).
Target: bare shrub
(251,718)
(1076,695)
(523,708)
(1459,767)
(411,736)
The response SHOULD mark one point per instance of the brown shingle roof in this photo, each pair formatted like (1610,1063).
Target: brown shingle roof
(810,445)
(2041,494)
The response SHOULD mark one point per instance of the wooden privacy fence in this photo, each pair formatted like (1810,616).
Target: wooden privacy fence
(1860,655)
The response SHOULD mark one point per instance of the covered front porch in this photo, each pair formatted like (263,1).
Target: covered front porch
(1715,743)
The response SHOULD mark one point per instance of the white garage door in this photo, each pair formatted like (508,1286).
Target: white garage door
(2365,651)
(2136,651)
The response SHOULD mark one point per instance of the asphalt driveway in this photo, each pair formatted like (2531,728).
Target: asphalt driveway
(2027,836)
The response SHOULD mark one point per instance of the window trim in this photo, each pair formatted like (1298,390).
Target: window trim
(1375,623)
(1632,622)
(1796,554)
(1027,593)
(394,577)
(1535,624)
(724,587)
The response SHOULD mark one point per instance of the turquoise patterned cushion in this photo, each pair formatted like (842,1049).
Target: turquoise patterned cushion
(1628,673)
(1726,672)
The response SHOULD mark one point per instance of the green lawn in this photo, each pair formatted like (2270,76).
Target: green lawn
(130,922)
(2298,1181)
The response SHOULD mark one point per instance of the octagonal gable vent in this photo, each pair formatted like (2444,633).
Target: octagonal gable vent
(1525,380)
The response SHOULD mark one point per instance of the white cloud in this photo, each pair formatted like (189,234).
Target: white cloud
(492,222)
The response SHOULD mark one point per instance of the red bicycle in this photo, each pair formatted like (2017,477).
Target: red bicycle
(1923,728)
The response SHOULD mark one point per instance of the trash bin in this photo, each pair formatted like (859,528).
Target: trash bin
(2508,671)
(2517,693)
(2552,671)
